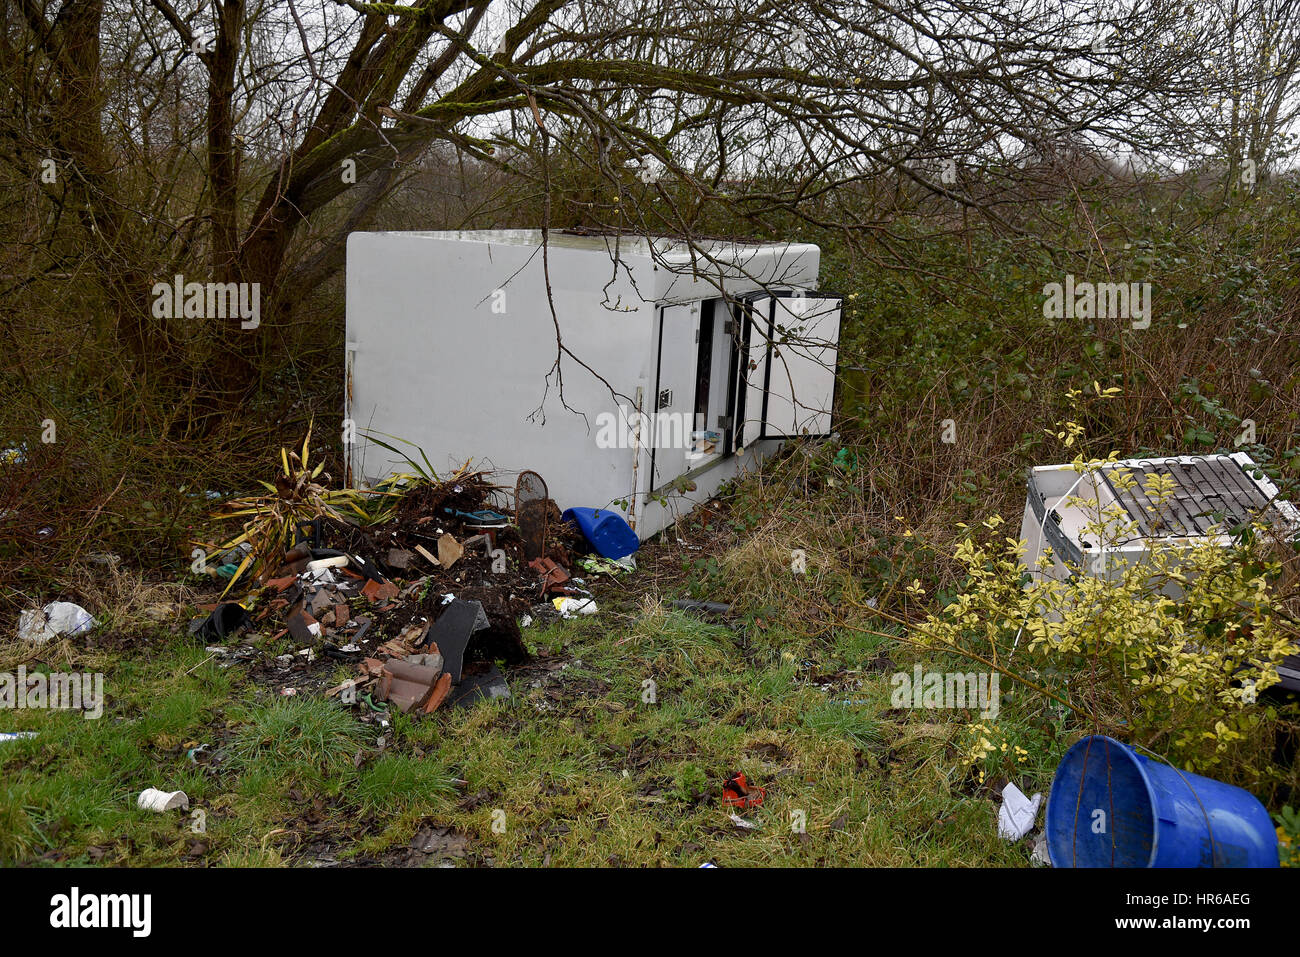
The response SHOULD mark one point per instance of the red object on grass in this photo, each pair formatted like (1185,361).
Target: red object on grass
(740,793)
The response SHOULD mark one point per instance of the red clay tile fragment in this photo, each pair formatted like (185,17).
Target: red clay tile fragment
(440,692)
(375,592)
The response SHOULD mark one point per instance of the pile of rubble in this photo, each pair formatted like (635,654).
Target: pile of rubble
(427,608)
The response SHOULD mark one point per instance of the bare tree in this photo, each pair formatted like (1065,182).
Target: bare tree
(250,138)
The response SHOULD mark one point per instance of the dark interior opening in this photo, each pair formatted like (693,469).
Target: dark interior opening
(704,365)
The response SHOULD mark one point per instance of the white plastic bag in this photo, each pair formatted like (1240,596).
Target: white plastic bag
(55,619)
(571,607)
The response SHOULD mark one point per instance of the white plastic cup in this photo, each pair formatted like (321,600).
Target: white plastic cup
(152,799)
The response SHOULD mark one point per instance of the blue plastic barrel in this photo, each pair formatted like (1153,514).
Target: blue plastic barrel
(1113,807)
(608,533)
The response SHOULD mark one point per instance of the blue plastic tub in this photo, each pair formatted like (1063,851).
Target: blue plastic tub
(1113,807)
(609,535)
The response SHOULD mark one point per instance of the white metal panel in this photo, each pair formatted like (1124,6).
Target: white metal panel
(800,372)
(435,364)
(674,397)
(734,270)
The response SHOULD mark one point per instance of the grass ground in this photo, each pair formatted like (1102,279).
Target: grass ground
(577,771)
(615,743)
(612,751)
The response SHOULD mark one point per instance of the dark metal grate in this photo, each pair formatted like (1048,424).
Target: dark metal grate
(1210,491)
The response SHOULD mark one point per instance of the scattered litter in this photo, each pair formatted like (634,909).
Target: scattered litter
(1017,814)
(223,622)
(449,550)
(303,627)
(235,555)
(740,822)
(321,602)
(321,576)
(572,607)
(379,592)
(17,735)
(738,792)
(1040,855)
(442,629)
(703,607)
(608,566)
(152,799)
(553,575)
(55,619)
(430,660)
(1171,817)
(483,518)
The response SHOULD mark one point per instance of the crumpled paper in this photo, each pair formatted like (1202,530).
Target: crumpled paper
(1017,815)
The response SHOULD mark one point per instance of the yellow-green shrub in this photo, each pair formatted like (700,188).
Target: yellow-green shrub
(1180,675)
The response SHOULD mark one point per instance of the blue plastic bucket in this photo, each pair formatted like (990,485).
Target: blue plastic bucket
(1112,807)
(608,533)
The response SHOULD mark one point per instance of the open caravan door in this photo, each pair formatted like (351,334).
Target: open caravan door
(785,383)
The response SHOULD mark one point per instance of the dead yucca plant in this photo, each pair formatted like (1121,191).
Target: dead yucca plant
(296,498)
